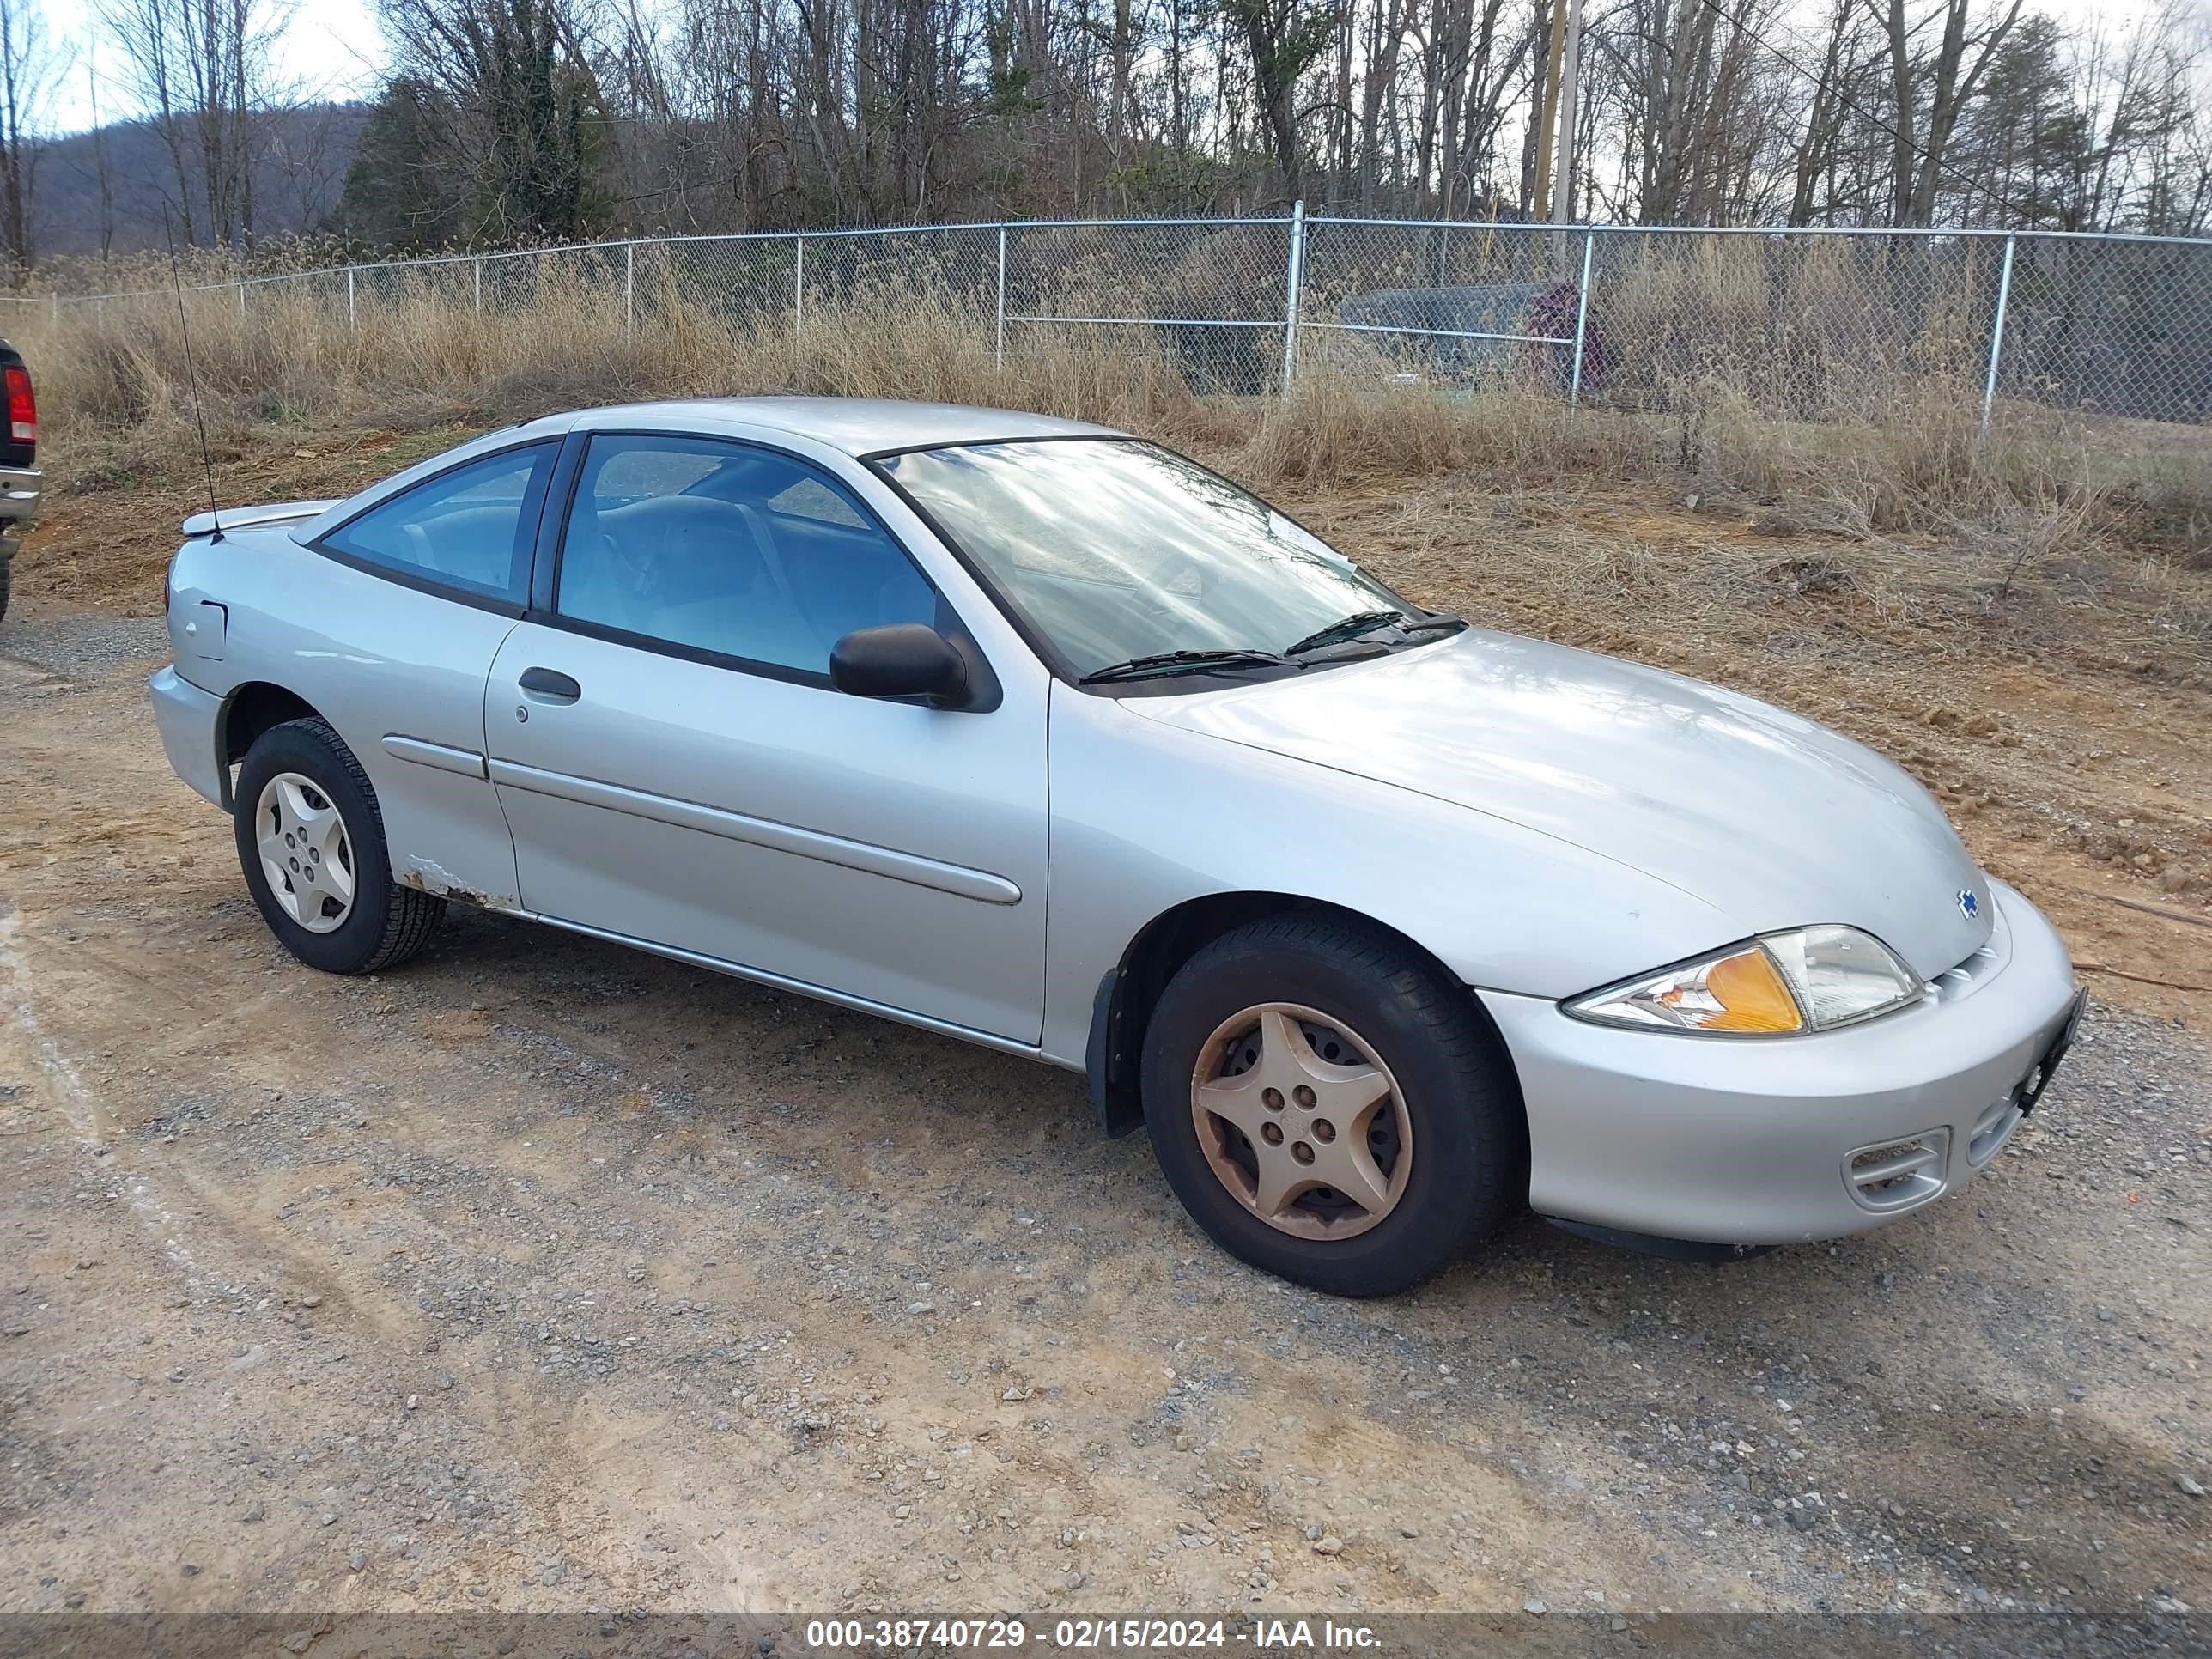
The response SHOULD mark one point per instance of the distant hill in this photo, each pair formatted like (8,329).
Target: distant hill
(299,171)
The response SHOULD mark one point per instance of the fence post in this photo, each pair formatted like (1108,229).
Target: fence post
(54,305)
(353,315)
(241,297)
(630,293)
(1297,280)
(479,286)
(998,351)
(1582,319)
(797,296)
(1996,336)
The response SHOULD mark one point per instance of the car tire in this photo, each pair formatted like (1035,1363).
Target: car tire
(1334,990)
(304,764)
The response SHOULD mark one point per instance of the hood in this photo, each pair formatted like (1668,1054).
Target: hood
(1774,820)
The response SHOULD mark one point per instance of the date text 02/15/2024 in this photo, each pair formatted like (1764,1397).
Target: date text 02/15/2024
(1090,1634)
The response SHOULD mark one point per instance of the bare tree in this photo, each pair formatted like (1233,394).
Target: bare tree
(1930,89)
(1286,37)
(201,74)
(1837,92)
(1691,92)
(30,70)
(103,171)
(1471,59)
(2175,158)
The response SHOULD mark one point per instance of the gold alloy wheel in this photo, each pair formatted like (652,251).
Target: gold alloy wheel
(1301,1122)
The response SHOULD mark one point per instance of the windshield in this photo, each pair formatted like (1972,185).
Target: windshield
(1118,551)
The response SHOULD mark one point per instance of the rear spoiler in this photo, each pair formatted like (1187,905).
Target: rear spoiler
(239,518)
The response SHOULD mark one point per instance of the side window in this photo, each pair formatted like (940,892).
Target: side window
(462,529)
(728,549)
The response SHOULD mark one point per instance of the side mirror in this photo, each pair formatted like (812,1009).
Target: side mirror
(900,659)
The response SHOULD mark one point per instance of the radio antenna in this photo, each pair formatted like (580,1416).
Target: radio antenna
(191,374)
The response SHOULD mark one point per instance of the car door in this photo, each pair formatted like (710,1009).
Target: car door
(391,633)
(677,770)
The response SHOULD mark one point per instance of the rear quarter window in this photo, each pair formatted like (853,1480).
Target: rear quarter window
(469,528)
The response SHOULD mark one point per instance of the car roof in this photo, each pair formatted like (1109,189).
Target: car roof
(857,426)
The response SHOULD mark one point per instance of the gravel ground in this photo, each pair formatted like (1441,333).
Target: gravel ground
(83,644)
(542,1275)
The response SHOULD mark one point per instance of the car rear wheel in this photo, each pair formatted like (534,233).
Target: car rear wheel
(1329,1108)
(310,841)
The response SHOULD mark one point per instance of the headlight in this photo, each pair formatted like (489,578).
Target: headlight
(1813,978)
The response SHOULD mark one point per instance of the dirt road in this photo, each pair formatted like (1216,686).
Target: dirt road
(542,1275)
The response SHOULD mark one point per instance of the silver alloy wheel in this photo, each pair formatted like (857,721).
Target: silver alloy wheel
(306,853)
(1301,1120)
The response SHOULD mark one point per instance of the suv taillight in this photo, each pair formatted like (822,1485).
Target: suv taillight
(22,407)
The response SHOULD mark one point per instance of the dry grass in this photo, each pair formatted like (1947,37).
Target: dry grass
(418,351)
(1730,394)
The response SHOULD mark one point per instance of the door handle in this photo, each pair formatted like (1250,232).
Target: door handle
(550,685)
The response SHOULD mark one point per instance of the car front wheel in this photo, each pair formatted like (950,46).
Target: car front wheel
(1331,1108)
(311,840)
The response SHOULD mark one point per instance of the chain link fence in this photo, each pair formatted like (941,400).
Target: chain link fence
(1794,325)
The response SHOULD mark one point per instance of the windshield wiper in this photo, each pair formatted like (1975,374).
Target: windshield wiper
(1346,628)
(1433,621)
(1161,663)
(1368,621)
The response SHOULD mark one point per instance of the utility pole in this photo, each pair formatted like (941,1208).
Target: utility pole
(1548,119)
(1567,61)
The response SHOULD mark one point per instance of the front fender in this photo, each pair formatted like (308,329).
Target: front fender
(1147,816)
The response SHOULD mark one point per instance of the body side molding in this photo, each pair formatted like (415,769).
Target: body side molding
(955,878)
(444,759)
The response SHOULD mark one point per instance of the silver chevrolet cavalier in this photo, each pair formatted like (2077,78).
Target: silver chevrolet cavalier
(1039,735)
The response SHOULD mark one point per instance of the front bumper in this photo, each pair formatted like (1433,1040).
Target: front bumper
(1749,1140)
(188,717)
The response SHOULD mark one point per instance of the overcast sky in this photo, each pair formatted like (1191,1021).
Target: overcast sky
(330,49)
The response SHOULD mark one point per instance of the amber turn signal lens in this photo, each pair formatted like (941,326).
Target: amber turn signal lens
(1752,995)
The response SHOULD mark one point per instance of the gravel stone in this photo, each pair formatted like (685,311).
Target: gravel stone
(85,646)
